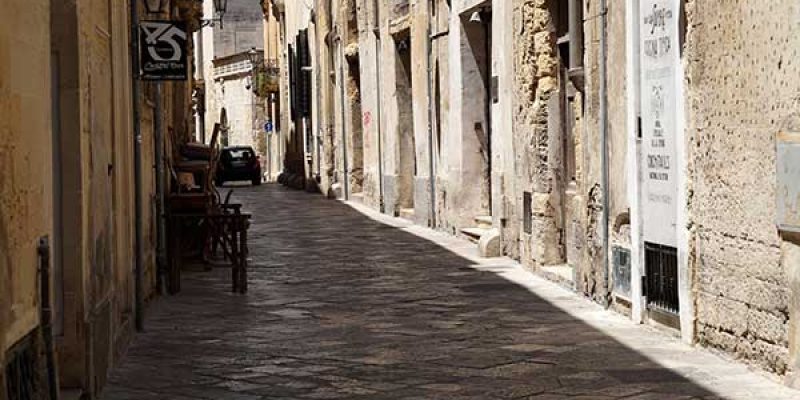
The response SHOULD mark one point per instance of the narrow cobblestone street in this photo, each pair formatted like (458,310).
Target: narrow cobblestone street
(342,306)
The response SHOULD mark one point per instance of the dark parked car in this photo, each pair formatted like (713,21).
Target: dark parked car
(238,163)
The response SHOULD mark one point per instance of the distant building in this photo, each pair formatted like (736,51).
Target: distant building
(228,75)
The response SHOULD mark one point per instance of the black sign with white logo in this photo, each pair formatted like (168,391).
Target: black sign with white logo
(163,51)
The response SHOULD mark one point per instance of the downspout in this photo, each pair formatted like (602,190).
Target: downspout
(46,310)
(431,167)
(344,120)
(604,143)
(137,171)
(160,223)
(487,26)
(377,32)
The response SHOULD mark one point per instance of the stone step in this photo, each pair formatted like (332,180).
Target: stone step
(561,274)
(357,197)
(406,213)
(474,234)
(484,221)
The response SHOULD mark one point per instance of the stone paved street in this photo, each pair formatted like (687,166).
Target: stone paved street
(344,305)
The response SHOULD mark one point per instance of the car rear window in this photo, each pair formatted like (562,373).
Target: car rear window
(240,154)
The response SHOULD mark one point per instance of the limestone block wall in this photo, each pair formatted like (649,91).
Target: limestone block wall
(536,83)
(741,79)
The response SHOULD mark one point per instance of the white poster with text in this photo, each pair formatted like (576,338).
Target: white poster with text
(659,79)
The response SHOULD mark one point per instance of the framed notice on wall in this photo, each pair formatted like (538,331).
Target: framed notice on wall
(163,51)
(660,58)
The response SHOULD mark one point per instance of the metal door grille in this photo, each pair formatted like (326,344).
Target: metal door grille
(21,373)
(661,277)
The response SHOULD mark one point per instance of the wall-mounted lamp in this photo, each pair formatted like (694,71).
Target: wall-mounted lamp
(255,57)
(220,8)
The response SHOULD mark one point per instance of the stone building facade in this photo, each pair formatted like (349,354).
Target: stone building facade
(626,149)
(26,189)
(67,188)
(226,75)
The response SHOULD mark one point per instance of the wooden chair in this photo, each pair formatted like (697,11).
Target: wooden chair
(219,222)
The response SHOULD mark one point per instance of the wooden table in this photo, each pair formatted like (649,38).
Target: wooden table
(229,229)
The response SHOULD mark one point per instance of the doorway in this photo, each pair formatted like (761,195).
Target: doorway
(477,72)
(356,129)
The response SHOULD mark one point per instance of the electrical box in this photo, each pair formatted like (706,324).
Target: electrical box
(622,271)
(788,181)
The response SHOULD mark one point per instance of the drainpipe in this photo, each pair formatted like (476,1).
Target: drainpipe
(431,167)
(160,185)
(344,122)
(604,142)
(46,310)
(376,30)
(487,26)
(137,171)
(575,40)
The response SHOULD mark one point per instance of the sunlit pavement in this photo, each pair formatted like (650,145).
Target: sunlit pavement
(345,303)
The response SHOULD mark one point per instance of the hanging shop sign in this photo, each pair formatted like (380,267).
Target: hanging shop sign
(163,49)
(660,60)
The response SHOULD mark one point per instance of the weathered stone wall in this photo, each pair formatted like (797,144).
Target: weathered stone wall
(536,83)
(588,201)
(25,154)
(742,81)
(566,215)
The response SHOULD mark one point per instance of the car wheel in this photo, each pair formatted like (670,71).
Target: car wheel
(256,180)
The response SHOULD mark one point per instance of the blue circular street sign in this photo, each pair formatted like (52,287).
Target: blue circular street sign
(268,126)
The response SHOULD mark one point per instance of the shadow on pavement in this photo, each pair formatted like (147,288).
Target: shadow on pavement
(343,307)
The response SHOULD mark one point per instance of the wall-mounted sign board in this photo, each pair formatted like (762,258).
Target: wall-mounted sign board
(163,51)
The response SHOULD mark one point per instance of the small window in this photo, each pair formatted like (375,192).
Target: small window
(240,154)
